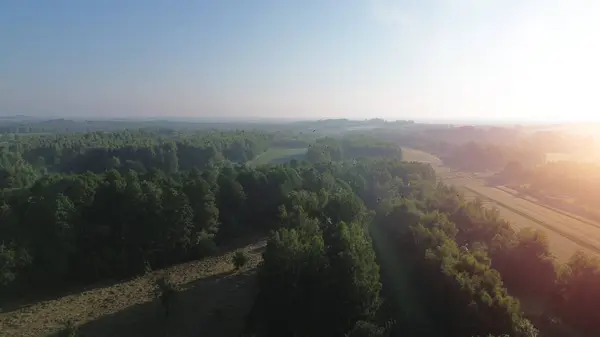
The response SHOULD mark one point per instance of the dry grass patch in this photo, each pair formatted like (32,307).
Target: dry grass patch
(207,290)
(420,156)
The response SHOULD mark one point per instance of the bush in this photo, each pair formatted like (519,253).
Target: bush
(165,290)
(239,259)
(70,330)
(366,329)
(206,245)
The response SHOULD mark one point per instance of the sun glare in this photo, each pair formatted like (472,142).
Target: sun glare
(551,65)
(543,66)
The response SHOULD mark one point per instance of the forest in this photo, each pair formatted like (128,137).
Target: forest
(79,208)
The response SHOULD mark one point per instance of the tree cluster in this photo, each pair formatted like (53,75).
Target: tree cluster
(26,158)
(349,148)
(568,292)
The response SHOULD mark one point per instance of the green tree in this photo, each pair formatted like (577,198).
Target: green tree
(239,259)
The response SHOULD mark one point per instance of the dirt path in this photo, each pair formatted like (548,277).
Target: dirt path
(209,291)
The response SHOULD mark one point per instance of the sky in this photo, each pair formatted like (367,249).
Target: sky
(527,60)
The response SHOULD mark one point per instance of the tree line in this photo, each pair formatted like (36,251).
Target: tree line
(470,148)
(463,245)
(26,158)
(479,156)
(349,148)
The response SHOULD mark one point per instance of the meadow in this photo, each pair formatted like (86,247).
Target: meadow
(420,156)
(209,292)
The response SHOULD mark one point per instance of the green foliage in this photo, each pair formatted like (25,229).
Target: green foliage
(239,259)
(12,258)
(70,330)
(325,274)
(349,148)
(165,291)
(367,329)
(79,208)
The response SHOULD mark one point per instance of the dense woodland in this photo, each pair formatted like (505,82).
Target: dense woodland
(350,148)
(26,158)
(77,208)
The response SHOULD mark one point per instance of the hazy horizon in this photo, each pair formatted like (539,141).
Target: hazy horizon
(275,119)
(507,62)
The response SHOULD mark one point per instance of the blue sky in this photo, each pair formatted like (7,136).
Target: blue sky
(428,59)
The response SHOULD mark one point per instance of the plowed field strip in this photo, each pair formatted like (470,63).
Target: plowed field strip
(578,240)
(554,209)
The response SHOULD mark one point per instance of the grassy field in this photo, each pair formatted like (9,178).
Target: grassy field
(277,155)
(566,232)
(420,156)
(213,299)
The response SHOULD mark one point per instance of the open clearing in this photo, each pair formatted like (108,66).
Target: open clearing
(210,293)
(420,156)
(277,155)
(566,232)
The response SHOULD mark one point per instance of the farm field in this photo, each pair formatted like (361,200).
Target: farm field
(566,232)
(277,155)
(583,218)
(209,292)
(583,157)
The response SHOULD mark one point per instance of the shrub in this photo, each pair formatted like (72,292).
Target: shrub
(165,291)
(239,259)
(70,330)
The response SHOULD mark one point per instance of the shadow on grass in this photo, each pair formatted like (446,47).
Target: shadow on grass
(213,306)
(13,300)
(23,298)
(258,250)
